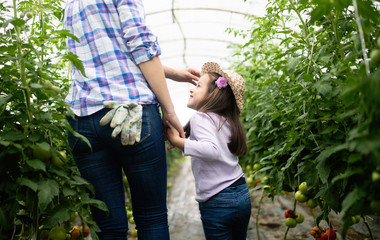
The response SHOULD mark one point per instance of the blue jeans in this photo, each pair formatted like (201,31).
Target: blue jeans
(144,165)
(226,215)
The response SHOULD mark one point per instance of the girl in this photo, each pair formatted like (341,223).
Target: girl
(216,139)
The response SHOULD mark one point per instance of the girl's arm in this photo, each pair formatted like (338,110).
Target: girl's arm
(174,138)
(154,74)
(206,134)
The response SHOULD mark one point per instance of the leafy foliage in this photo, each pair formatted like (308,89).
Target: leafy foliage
(312,107)
(40,187)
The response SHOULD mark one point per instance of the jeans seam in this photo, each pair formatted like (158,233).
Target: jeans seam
(148,127)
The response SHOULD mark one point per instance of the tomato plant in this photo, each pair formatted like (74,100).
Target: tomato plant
(312,111)
(40,185)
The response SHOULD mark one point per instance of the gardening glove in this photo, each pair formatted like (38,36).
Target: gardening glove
(125,118)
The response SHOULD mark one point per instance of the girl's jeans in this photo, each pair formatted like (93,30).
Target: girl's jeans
(144,164)
(226,215)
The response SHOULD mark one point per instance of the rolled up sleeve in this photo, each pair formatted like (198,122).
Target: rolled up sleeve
(141,43)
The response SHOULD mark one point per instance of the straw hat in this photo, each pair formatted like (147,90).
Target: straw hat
(235,81)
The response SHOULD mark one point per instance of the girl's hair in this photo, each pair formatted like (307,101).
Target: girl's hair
(222,102)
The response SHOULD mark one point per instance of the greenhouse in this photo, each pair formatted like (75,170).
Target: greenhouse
(109,129)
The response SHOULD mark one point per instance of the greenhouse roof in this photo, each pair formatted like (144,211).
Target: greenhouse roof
(193,32)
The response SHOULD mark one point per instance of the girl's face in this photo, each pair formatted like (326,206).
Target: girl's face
(199,92)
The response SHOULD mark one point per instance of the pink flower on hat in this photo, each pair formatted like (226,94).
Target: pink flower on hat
(221,82)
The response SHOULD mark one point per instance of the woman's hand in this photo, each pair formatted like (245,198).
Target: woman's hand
(189,75)
(174,137)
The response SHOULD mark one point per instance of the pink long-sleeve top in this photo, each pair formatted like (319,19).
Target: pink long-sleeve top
(213,165)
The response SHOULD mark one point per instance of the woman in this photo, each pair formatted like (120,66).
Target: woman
(120,58)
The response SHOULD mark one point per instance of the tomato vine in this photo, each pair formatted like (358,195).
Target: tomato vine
(312,111)
(40,187)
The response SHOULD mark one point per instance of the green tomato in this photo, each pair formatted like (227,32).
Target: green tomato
(311,203)
(129,214)
(57,233)
(375,55)
(44,234)
(375,176)
(56,160)
(29,14)
(42,151)
(355,219)
(134,232)
(300,197)
(303,187)
(256,166)
(290,222)
(300,218)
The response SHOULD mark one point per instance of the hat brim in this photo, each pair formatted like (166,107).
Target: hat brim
(235,81)
(212,67)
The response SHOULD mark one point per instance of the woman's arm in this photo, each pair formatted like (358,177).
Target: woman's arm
(182,75)
(154,74)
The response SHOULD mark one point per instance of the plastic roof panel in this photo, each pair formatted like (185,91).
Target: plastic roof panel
(191,33)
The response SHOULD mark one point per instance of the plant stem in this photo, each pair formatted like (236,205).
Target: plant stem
(257,214)
(286,233)
(361,34)
(302,21)
(21,64)
(368,227)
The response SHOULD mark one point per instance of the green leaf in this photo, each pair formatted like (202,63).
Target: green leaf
(77,180)
(294,155)
(12,135)
(18,22)
(47,190)
(60,214)
(76,62)
(36,164)
(348,173)
(4,100)
(28,183)
(3,218)
(352,198)
(93,202)
(324,88)
(68,192)
(322,167)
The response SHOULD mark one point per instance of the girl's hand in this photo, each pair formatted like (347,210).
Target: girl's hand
(174,137)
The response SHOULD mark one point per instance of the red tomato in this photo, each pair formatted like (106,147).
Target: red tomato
(289,213)
(329,234)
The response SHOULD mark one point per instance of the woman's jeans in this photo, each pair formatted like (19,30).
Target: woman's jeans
(144,165)
(226,215)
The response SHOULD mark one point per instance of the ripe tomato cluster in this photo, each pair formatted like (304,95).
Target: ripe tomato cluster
(323,234)
(78,232)
(292,218)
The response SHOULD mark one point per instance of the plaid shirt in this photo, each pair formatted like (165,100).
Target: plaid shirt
(113,40)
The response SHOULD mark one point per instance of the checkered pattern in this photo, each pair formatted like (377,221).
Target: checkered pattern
(113,40)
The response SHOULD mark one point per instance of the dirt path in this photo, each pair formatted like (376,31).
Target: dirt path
(184,217)
(185,223)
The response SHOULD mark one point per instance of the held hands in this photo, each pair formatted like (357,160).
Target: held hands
(125,118)
(174,137)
